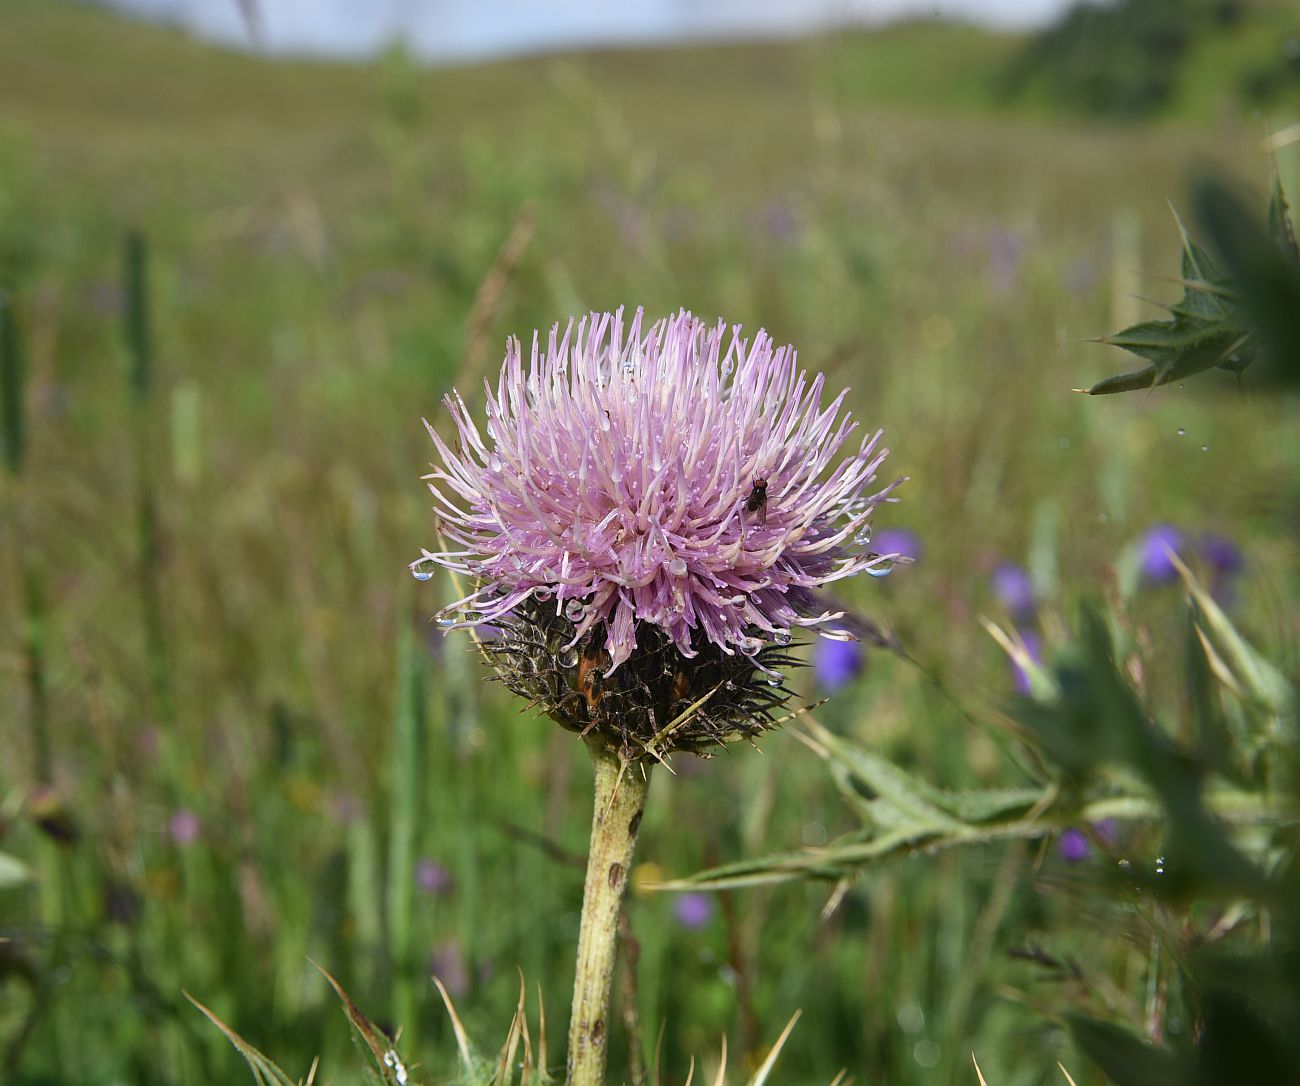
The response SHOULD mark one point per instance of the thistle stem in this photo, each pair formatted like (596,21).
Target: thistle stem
(620,800)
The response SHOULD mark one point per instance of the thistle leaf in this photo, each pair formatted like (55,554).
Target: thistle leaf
(383,1065)
(265,1073)
(1280,227)
(1126,1059)
(1226,317)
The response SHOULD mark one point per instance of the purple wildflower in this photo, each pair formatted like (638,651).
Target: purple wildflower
(447,963)
(1153,553)
(898,541)
(622,481)
(1222,554)
(693,911)
(1015,590)
(432,877)
(1034,649)
(836,663)
(1074,846)
(183,827)
(1226,562)
(679,488)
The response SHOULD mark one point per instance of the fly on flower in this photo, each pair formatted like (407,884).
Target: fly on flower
(604,514)
(757,501)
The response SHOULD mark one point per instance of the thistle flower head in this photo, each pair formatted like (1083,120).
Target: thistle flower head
(657,510)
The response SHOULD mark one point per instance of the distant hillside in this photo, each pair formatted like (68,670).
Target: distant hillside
(83,72)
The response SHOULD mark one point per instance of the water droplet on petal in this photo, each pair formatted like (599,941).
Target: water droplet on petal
(882,570)
(422,569)
(677,567)
(574,610)
(542,594)
(446,621)
(568,658)
(776,679)
(494,462)
(782,637)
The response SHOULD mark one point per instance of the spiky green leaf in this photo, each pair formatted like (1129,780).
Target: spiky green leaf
(265,1072)
(1228,315)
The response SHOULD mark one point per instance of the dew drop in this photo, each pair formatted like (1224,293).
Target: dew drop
(422,569)
(541,595)
(677,567)
(1182,431)
(494,463)
(782,637)
(882,570)
(776,679)
(568,658)
(446,621)
(574,610)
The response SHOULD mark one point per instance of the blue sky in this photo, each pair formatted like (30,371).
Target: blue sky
(466,29)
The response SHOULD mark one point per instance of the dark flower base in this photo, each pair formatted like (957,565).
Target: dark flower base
(645,706)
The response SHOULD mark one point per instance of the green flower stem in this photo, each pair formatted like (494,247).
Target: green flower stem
(620,800)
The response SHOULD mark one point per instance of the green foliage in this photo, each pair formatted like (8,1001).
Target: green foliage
(13,408)
(1110,757)
(1224,320)
(1120,59)
(1136,59)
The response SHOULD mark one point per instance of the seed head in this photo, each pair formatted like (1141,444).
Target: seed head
(648,517)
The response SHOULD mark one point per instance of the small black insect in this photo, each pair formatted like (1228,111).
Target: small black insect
(757,502)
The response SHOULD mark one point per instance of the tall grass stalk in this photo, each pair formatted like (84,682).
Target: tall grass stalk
(409,728)
(138,338)
(13,390)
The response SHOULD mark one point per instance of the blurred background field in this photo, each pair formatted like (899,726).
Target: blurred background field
(259,748)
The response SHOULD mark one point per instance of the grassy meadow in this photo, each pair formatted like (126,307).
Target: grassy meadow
(232,742)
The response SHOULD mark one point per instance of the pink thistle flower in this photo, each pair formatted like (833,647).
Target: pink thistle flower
(636,489)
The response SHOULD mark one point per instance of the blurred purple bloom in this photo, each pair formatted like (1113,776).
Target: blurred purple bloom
(1222,554)
(897,541)
(1006,249)
(780,221)
(432,877)
(620,478)
(183,827)
(1015,591)
(1153,553)
(1226,562)
(837,663)
(1034,647)
(693,911)
(447,963)
(1074,846)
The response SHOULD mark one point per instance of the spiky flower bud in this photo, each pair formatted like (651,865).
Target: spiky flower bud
(648,519)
